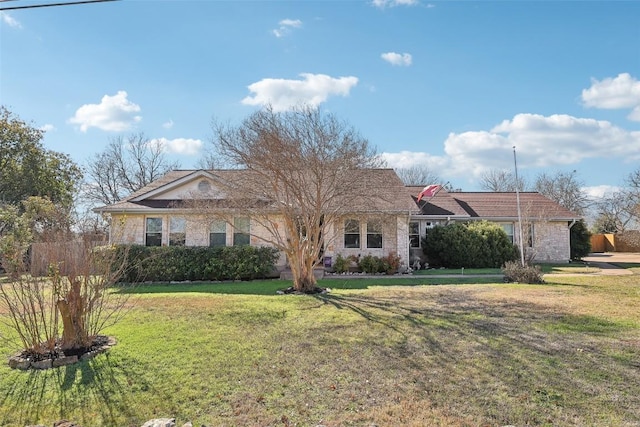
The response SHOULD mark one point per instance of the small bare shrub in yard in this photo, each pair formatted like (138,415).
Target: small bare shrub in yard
(514,272)
(64,311)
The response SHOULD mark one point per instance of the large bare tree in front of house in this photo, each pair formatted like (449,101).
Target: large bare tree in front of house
(303,167)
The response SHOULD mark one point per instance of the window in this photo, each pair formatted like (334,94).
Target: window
(414,234)
(204,186)
(177,231)
(530,236)
(352,233)
(508,228)
(241,231)
(153,234)
(374,234)
(218,234)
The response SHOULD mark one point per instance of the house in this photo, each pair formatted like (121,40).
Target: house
(545,224)
(163,213)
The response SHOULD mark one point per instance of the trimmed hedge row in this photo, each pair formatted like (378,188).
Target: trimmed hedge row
(179,263)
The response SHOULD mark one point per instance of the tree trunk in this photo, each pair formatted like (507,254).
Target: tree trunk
(302,271)
(71,308)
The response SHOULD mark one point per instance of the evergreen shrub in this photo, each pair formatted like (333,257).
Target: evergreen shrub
(479,244)
(180,263)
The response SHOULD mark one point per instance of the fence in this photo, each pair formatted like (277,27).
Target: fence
(629,241)
(64,254)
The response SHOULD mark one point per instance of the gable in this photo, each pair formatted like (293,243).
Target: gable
(195,185)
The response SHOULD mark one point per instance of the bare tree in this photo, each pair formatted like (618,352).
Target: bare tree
(418,175)
(301,168)
(565,189)
(633,194)
(125,166)
(619,211)
(501,180)
(615,212)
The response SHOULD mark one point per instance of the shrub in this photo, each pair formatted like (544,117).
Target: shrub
(514,272)
(341,264)
(580,240)
(370,264)
(476,245)
(179,263)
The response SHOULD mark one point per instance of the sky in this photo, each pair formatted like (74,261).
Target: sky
(450,85)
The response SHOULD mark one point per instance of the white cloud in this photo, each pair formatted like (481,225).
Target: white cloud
(286,26)
(393,58)
(10,20)
(168,124)
(540,141)
(599,191)
(619,92)
(392,3)
(407,159)
(47,127)
(312,90)
(114,113)
(186,146)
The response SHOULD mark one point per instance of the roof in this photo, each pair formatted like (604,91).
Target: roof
(442,204)
(389,191)
(505,205)
(492,205)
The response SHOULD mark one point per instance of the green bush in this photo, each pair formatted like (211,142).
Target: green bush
(372,264)
(514,272)
(475,245)
(341,264)
(180,263)
(580,240)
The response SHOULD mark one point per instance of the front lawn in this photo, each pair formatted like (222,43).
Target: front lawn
(460,271)
(561,354)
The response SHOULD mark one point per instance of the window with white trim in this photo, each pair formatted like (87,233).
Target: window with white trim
(218,233)
(177,231)
(153,232)
(374,234)
(241,231)
(508,228)
(414,234)
(352,234)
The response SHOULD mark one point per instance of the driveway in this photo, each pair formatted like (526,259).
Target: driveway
(604,261)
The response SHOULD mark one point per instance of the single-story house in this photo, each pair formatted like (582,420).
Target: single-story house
(160,214)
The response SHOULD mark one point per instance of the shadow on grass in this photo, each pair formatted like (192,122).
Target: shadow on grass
(270,287)
(72,389)
(520,350)
(626,265)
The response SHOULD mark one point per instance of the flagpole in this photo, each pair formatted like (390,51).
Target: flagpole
(515,164)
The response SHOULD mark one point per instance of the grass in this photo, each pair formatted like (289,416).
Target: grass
(633,266)
(371,352)
(460,271)
(570,268)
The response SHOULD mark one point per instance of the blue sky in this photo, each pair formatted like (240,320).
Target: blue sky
(449,84)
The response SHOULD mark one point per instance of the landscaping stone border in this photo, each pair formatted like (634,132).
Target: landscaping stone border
(22,362)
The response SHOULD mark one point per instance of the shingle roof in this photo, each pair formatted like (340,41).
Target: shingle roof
(493,205)
(442,204)
(389,191)
(504,205)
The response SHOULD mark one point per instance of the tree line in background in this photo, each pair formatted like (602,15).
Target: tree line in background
(614,212)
